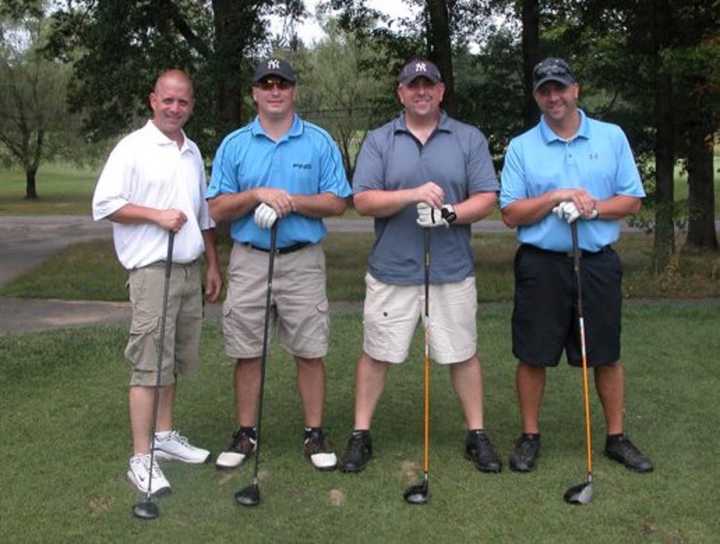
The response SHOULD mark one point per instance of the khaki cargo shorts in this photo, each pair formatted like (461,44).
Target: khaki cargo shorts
(182,327)
(391,314)
(299,305)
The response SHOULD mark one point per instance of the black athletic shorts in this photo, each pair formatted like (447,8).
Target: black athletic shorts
(545,314)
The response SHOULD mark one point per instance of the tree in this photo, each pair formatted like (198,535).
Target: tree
(345,87)
(121,46)
(35,123)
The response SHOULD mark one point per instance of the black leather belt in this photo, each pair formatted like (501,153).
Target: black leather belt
(281,250)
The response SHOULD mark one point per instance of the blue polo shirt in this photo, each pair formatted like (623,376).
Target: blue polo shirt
(305,161)
(456,157)
(598,158)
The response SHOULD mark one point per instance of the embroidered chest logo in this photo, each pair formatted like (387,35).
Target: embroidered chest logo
(302,165)
(593,156)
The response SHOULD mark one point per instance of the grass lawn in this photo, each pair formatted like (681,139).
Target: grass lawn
(89,271)
(63,189)
(65,445)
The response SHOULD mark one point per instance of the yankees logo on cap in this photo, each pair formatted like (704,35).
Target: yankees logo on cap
(274,67)
(419,68)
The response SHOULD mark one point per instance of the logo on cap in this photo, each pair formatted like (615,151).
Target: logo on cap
(273,64)
(420,67)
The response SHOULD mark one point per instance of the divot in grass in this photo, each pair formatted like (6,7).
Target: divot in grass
(336,497)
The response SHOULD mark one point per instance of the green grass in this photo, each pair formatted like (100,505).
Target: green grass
(62,189)
(65,445)
(89,271)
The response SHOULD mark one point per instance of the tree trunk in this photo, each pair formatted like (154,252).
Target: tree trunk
(701,195)
(439,39)
(664,243)
(30,190)
(531,56)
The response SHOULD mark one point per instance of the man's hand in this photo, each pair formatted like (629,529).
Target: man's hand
(171,219)
(566,211)
(213,284)
(265,216)
(429,217)
(278,199)
(430,193)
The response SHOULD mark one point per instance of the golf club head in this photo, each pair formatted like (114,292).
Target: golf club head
(417,494)
(146,510)
(248,496)
(579,494)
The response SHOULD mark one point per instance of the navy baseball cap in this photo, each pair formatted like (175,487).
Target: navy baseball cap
(274,67)
(552,69)
(419,68)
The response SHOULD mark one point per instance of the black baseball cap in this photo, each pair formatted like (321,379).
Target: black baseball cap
(552,69)
(274,67)
(419,68)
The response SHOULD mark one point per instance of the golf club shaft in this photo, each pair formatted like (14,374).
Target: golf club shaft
(583,349)
(426,362)
(161,349)
(266,333)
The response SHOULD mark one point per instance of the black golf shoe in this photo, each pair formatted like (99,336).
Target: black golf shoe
(481,452)
(619,448)
(242,446)
(525,453)
(358,452)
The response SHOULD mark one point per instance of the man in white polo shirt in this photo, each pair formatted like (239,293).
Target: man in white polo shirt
(154,183)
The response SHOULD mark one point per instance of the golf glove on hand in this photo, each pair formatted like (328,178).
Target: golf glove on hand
(265,216)
(429,217)
(566,211)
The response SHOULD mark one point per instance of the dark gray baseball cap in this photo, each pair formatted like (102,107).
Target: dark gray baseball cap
(419,68)
(552,69)
(274,67)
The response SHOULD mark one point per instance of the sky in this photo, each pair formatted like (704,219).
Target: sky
(310,31)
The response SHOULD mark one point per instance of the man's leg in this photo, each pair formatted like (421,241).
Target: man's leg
(140,400)
(247,391)
(370,378)
(530,384)
(610,384)
(311,386)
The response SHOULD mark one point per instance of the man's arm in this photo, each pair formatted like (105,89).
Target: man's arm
(476,207)
(213,278)
(380,203)
(132,214)
(527,211)
(226,207)
(320,205)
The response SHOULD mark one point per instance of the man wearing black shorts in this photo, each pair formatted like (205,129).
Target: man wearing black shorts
(568,168)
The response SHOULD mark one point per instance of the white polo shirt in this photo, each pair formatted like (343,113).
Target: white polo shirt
(147,168)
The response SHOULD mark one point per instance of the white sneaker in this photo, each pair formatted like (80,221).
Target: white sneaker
(139,475)
(175,447)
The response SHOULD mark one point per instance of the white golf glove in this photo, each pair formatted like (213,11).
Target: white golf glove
(429,217)
(566,211)
(265,216)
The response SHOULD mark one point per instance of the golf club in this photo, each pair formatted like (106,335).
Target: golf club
(146,509)
(420,493)
(250,495)
(582,493)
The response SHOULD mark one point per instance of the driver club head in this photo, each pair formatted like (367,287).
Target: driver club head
(579,494)
(146,510)
(248,496)
(417,494)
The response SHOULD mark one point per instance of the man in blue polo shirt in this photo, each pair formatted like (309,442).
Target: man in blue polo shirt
(419,171)
(582,170)
(277,167)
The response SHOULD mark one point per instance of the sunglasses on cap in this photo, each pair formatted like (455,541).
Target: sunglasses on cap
(269,83)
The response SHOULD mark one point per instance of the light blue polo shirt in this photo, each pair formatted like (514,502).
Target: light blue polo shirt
(305,161)
(597,158)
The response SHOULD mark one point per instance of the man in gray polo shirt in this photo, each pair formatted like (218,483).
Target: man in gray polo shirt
(422,170)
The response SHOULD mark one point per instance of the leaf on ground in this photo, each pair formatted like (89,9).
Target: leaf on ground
(100,505)
(409,470)
(336,497)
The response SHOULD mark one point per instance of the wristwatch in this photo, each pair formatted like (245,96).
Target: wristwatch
(448,213)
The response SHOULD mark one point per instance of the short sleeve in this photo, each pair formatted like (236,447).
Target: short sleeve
(369,171)
(512,185)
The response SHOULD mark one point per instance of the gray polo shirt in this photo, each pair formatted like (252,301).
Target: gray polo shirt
(456,157)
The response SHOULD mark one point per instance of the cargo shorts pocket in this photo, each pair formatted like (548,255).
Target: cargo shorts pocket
(142,346)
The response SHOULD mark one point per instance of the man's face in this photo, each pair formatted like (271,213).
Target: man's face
(421,97)
(172,104)
(557,101)
(274,96)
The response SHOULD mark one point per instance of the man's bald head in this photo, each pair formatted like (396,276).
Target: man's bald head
(174,75)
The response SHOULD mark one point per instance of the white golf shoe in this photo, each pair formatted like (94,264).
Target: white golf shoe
(139,475)
(318,450)
(175,447)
